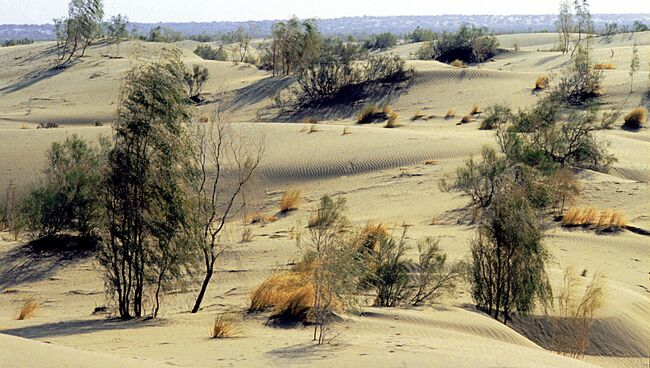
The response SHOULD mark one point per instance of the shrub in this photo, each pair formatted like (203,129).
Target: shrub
(579,82)
(457,64)
(636,119)
(433,277)
(195,80)
(476,110)
(421,35)
(508,267)
(466,119)
(470,45)
(276,289)
(385,68)
(28,309)
(604,66)
(496,116)
(290,200)
(380,41)
(49,125)
(224,326)
(68,197)
(481,180)
(16,42)
(451,113)
(371,114)
(207,52)
(541,83)
(566,187)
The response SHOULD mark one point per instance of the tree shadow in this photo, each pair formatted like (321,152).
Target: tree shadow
(40,259)
(78,327)
(35,76)
(608,337)
(301,351)
(258,91)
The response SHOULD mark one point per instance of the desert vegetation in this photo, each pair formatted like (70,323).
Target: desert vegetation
(469,45)
(636,119)
(601,220)
(28,309)
(208,52)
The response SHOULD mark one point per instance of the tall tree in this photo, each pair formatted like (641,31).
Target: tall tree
(564,26)
(117,30)
(144,197)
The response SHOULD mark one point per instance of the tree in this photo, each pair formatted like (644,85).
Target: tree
(144,195)
(80,28)
(634,65)
(583,23)
(243,39)
(508,267)
(295,45)
(564,26)
(223,165)
(117,30)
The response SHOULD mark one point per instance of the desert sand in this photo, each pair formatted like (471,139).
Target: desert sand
(388,176)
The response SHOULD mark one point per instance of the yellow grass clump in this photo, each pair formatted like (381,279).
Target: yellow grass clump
(371,235)
(289,295)
(224,326)
(466,119)
(604,66)
(28,309)
(451,113)
(476,110)
(541,82)
(457,63)
(392,117)
(602,220)
(368,114)
(636,119)
(290,200)
(346,131)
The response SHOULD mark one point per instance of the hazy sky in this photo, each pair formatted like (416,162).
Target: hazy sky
(42,11)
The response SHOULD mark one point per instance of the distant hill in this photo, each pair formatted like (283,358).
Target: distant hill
(357,26)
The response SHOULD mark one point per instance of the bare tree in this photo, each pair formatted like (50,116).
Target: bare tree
(564,25)
(225,163)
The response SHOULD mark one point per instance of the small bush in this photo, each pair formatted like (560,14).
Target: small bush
(195,80)
(49,125)
(276,290)
(457,64)
(380,41)
(224,326)
(541,83)
(290,200)
(636,119)
(496,116)
(470,45)
(371,114)
(28,309)
(604,66)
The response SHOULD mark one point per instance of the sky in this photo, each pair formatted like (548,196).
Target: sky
(152,11)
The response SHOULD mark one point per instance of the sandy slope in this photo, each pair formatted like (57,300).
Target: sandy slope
(383,175)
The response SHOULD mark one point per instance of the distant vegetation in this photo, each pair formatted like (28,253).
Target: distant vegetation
(80,28)
(381,41)
(469,45)
(16,42)
(208,52)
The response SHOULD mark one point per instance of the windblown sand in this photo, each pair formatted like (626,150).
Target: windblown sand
(387,175)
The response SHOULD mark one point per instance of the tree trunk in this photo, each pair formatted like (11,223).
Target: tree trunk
(204,287)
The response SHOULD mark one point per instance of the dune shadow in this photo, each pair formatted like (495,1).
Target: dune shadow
(78,327)
(40,259)
(258,91)
(608,337)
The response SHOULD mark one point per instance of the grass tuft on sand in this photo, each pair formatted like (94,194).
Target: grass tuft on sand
(636,119)
(290,200)
(28,310)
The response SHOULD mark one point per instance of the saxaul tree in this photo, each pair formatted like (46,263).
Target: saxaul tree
(224,164)
(116,30)
(144,247)
(82,26)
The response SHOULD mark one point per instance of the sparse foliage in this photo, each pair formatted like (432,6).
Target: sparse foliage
(195,81)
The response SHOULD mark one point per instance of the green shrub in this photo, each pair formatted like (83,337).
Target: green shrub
(380,41)
(470,45)
(67,199)
(495,116)
(210,53)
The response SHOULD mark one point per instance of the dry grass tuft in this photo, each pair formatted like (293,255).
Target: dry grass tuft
(370,114)
(259,217)
(23,126)
(247,235)
(297,304)
(604,66)
(466,119)
(430,162)
(28,310)
(392,117)
(290,200)
(224,326)
(541,83)
(275,290)
(418,116)
(451,113)
(476,110)
(309,121)
(371,236)
(636,119)
(313,129)
(457,64)
(346,131)
(601,220)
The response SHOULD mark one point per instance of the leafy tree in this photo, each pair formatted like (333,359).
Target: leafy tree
(381,41)
(144,197)
(80,28)
(469,44)
(422,35)
(208,52)
(116,30)
(508,267)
